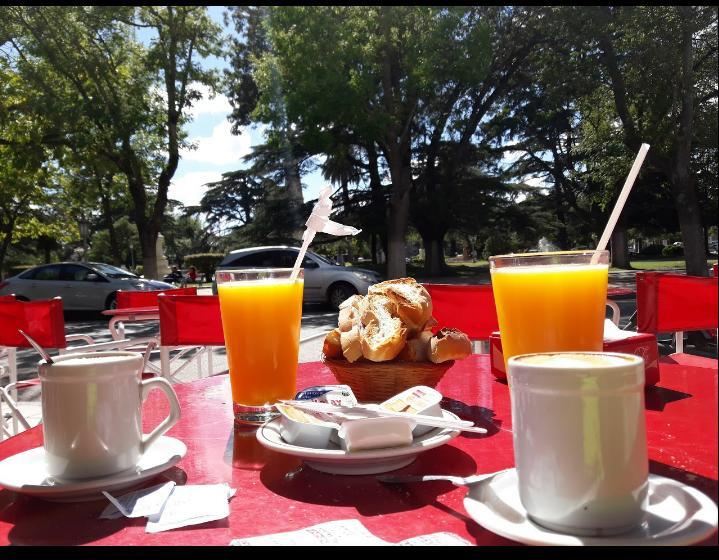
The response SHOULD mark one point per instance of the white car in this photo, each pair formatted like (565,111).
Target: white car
(81,285)
(325,282)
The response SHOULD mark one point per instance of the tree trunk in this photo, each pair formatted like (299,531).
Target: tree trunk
(148,242)
(3,250)
(379,206)
(690,222)
(620,247)
(683,189)
(433,254)
(398,215)
(107,218)
(294,192)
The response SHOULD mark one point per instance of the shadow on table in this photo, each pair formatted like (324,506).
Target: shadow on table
(39,522)
(367,495)
(289,477)
(656,398)
(481,416)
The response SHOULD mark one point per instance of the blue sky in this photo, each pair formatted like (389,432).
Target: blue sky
(218,150)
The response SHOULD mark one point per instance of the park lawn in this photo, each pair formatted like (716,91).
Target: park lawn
(664,264)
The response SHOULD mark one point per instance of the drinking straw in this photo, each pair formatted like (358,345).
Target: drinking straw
(319,221)
(619,205)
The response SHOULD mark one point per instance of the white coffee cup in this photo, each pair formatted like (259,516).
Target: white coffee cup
(580,442)
(92,413)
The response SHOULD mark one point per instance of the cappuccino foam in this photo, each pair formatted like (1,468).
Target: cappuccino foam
(576,360)
(92,360)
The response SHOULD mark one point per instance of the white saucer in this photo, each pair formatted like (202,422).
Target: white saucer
(373,461)
(676,515)
(26,473)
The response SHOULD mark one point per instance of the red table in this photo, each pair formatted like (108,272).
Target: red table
(274,496)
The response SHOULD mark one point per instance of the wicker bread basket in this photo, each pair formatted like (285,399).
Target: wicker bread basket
(378,381)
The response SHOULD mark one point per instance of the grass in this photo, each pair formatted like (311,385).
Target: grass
(663,264)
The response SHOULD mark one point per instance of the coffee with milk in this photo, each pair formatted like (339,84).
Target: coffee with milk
(580,440)
(92,413)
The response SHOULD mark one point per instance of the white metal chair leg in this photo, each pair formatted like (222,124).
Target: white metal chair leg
(165,362)
(679,342)
(12,366)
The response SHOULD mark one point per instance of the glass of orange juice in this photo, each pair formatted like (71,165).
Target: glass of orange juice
(550,302)
(261,313)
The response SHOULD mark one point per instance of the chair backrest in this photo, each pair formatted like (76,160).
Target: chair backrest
(186,320)
(675,302)
(42,320)
(127,299)
(468,308)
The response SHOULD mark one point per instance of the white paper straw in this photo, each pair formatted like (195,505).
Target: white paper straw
(623,195)
(307,237)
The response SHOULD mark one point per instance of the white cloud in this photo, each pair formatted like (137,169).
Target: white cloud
(220,148)
(189,188)
(208,105)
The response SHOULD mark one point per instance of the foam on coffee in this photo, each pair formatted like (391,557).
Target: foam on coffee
(92,360)
(576,360)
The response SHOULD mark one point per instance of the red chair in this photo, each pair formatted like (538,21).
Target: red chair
(674,303)
(127,299)
(469,308)
(188,322)
(43,320)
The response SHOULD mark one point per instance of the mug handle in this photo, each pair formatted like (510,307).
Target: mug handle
(163,384)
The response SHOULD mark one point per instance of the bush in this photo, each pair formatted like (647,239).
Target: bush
(496,245)
(652,250)
(205,263)
(673,251)
(139,270)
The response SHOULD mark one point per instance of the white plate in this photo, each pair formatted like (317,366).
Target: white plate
(676,515)
(26,473)
(372,461)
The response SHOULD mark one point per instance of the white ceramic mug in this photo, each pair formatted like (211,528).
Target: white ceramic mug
(580,442)
(92,413)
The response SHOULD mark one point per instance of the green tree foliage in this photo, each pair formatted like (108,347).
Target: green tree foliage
(128,101)
(659,63)
(385,72)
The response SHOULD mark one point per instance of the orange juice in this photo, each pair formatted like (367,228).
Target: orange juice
(551,307)
(261,321)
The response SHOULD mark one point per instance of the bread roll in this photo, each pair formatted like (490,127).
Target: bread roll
(416,349)
(348,317)
(414,304)
(377,308)
(449,344)
(352,301)
(332,348)
(382,341)
(430,324)
(351,344)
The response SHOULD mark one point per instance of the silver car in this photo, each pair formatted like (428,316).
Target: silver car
(325,282)
(81,285)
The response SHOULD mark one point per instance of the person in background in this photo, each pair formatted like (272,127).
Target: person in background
(175,274)
(191,277)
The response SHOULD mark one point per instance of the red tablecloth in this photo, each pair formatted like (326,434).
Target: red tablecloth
(274,496)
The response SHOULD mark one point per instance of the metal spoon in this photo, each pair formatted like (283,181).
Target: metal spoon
(37,347)
(456,480)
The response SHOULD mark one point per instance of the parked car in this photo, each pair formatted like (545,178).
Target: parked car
(325,282)
(81,285)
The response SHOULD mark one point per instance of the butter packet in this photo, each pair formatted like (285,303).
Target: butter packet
(337,395)
(305,428)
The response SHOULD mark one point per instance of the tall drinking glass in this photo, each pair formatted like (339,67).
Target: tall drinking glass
(550,302)
(261,313)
